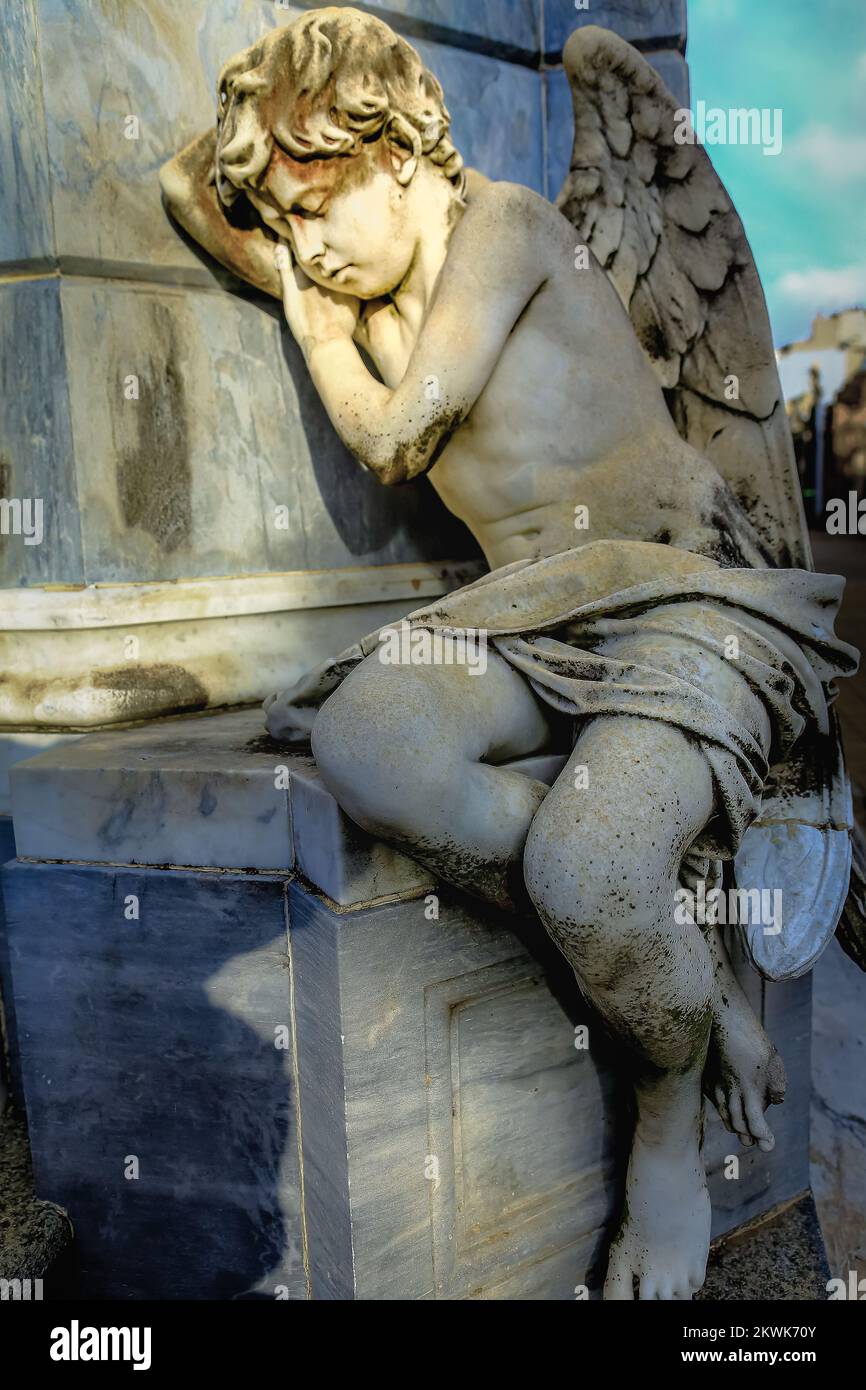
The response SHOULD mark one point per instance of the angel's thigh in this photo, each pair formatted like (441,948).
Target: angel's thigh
(407,751)
(601,865)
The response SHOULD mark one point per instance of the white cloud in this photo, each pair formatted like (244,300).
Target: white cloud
(822,289)
(831,154)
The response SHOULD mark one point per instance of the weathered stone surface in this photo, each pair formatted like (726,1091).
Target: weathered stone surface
(426,1026)
(226,463)
(777,1259)
(650,23)
(25,227)
(671,67)
(839,1111)
(500,25)
(178,1062)
(36,451)
(15,748)
(201,792)
(348,865)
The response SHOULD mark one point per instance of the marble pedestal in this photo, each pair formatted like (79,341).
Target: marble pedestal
(265,1056)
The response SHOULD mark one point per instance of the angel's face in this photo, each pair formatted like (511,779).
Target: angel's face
(348,221)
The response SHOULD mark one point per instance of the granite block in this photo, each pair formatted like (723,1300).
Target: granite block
(645,23)
(36,453)
(25,224)
(779,1258)
(160,1040)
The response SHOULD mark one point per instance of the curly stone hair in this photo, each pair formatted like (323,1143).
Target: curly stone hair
(324,85)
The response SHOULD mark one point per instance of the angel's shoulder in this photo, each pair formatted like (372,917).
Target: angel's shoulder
(511,220)
(510,202)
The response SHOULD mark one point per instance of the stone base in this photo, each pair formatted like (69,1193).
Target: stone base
(247,1084)
(779,1257)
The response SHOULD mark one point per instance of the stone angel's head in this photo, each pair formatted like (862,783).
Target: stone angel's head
(338,135)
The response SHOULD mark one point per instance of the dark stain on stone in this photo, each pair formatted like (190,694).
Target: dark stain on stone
(265,744)
(154,477)
(5,475)
(207,801)
(161,688)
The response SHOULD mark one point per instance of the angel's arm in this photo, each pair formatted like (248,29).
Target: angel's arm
(495,265)
(189,189)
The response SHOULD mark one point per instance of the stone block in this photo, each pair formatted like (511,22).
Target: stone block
(159,1078)
(203,792)
(441,1085)
(496,113)
(506,28)
(15,748)
(25,228)
(434,1046)
(645,23)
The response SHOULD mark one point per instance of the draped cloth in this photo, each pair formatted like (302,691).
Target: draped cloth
(560,620)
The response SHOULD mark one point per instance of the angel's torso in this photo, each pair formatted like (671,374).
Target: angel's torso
(571,440)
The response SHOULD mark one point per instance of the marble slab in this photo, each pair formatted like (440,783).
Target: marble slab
(25,227)
(160,1039)
(209,792)
(206,792)
(14,748)
(645,23)
(37,459)
(506,28)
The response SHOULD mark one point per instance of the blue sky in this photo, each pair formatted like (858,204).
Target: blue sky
(804,210)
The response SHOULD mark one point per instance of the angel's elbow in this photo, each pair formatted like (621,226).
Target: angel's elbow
(175,185)
(390,466)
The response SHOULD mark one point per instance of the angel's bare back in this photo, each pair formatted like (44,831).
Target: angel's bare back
(570,440)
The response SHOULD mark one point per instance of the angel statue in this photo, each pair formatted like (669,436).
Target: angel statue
(591,387)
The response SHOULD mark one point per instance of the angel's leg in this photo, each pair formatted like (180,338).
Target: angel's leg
(602,867)
(408,753)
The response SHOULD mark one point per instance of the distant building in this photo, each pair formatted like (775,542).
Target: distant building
(824,383)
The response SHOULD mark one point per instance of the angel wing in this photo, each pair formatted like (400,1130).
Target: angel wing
(656,215)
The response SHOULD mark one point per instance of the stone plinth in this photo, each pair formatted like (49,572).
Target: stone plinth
(311,1036)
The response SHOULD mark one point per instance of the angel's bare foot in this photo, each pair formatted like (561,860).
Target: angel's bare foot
(744,1073)
(665,1233)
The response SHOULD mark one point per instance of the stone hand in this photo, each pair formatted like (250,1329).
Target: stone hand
(315,315)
